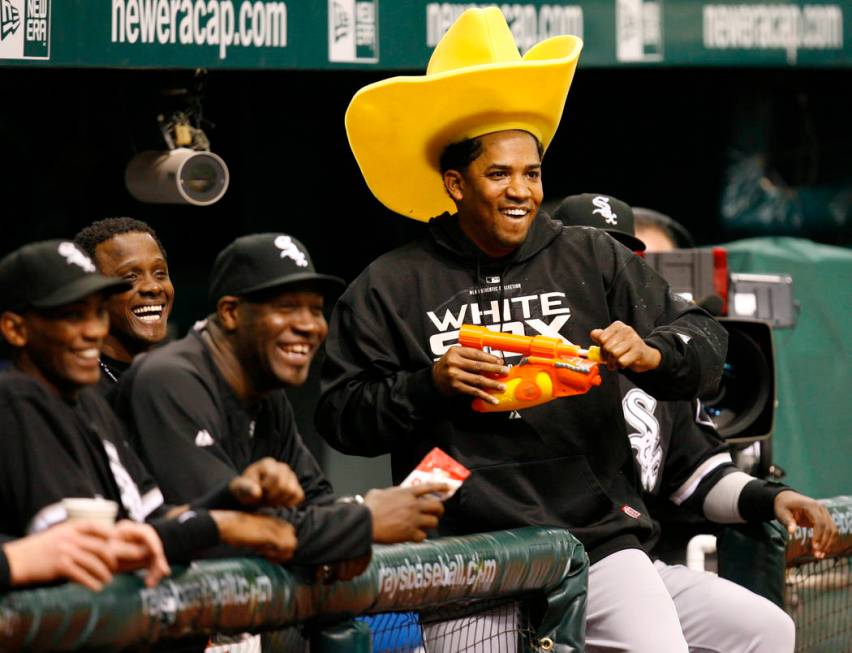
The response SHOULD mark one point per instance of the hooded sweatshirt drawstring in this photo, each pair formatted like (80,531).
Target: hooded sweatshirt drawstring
(501,298)
(448,236)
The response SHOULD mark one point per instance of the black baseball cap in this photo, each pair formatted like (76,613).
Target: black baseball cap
(50,273)
(259,262)
(602,211)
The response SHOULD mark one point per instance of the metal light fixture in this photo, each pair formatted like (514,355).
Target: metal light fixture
(186,172)
(178,176)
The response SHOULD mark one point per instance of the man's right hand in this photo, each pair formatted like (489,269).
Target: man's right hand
(78,551)
(267,482)
(404,514)
(271,537)
(464,370)
(623,348)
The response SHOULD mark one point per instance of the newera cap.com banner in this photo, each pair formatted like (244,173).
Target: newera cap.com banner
(400,34)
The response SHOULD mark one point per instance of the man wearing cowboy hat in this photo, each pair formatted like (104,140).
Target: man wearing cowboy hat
(394,381)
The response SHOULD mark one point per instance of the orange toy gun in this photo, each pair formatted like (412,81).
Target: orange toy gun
(549,369)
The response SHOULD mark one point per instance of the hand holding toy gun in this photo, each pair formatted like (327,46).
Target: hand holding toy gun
(549,369)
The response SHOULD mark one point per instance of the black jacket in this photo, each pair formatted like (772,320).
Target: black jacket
(679,455)
(52,449)
(5,574)
(567,463)
(193,433)
(680,458)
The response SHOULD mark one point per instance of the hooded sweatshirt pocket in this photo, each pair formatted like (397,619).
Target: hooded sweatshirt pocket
(560,491)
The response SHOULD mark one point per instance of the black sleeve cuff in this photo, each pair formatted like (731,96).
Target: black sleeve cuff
(757,500)
(5,572)
(219,498)
(424,394)
(667,356)
(330,534)
(677,376)
(189,532)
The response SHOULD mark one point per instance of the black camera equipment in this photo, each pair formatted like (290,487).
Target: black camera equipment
(748,306)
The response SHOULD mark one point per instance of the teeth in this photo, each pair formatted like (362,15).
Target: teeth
(89,353)
(296,349)
(515,212)
(149,313)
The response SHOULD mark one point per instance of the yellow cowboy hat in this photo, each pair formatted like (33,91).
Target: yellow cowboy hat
(476,83)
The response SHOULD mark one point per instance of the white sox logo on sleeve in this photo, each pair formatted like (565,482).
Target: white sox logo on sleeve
(638,409)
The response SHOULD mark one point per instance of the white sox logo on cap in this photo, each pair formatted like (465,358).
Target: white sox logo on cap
(75,256)
(604,209)
(289,250)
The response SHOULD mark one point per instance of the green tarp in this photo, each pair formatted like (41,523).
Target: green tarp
(813,425)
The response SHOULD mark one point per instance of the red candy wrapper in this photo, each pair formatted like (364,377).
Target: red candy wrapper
(438,467)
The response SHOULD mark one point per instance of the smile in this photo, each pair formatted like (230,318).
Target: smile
(92,353)
(515,212)
(87,358)
(296,353)
(151,313)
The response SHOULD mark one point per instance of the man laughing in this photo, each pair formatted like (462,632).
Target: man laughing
(130,250)
(214,402)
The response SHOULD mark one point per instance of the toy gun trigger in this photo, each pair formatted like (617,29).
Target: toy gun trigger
(593,353)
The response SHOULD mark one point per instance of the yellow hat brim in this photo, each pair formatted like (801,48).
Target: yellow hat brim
(398,127)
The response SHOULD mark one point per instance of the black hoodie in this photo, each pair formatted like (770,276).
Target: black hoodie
(566,463)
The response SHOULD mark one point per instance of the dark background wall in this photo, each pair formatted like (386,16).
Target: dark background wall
(658,138)
(661,138)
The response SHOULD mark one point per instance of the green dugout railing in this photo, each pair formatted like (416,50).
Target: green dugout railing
(817,594)
(757,555)
(236,595)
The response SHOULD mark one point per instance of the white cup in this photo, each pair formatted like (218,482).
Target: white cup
(102,511)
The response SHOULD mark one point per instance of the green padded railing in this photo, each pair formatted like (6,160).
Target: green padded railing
(756,555)
(237,595)
(817,594)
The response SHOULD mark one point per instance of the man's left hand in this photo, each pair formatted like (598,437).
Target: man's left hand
(137,546)
(621,347)
(793,509)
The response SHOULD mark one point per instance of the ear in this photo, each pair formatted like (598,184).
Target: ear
(14,329)
(454,185)
(228,309)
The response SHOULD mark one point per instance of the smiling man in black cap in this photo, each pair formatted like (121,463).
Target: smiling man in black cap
(53,321)
(213,402)
(60,438)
